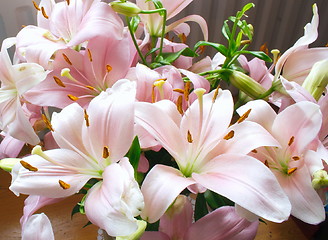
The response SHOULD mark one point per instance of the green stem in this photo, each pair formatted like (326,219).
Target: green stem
(135,42)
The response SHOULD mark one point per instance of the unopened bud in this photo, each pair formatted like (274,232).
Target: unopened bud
(317,80)
(320,179)
(246,84)
(126,8)
(137,234)
(7,164)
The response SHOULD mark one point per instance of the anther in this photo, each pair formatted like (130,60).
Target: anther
(183,38)
(108,68)
(179,105)
(229,135)
(86,118)
(59,82)
(44,13)
(47,122)
(266,163)
(291,140)
(264,48)
(244,116)
(68,2)
(89,55)
(153,94)
(254,151)
(64,185)
(216,93)
(106,152)
(67,59)
(187,91)
(291,170)
(36,6)
(296,158)
(28,166)
(91,88)
(178,90)
(189,137)
(72,97)
(244,42)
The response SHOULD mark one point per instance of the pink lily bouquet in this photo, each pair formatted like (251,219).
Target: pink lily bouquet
(106,100)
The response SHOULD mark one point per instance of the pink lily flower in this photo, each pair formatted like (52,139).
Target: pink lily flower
(80,76)
(211,155)
(37,227)
(222,223)
(154,22)
(296,128)
(66,24)
(89,148)
(16,80)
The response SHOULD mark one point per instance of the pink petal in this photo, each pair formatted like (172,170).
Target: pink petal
(154,235)
(160,187)
(223,223)
(38,227)
(248,183)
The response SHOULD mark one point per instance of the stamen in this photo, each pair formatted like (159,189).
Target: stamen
(291,170)
(44,13)
(105,152)
(187,91)
(296,158)
(291,140)
(28,166)
(68,2)
(59,82)
(67,59)
(254,151)
(179,105)
(72,97)
(229,135)
(86,118)
(90,55)
(36,6)
(91,88)
(47,122)
(189,137)
(153,94)
(244,116)
(178,90)
(201,49)
(183,38)
(108,68)
(64,185)
(216,93)
(244,42)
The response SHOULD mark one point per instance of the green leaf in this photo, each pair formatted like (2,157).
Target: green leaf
(134,154)
(76,209)
(168,58)
(215,200)
(158,4)
(247,7)
(239,38)
(259,54)
(226,30)
(200,207)
(134,22)
(219,47)
(151,51)
(87,224)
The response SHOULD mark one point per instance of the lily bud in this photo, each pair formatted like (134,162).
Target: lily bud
(317,80)
(7,164)
(137,234)
(246,84)
(126,8)
(320,179)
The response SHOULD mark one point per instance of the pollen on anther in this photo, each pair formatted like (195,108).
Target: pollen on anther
(189,137)
(187,91)
(59,82)
(68,2)
(64,185)
(86,118)
(296,158)
(108,68)
(36,6)
(106,152)
(230,135)
(178,90)
(291,170)
(47,122)
(179,105)
(67,59)
(28,166)
(72,97)
(254,151)
(291,140)
(244,116)
(89,55)
(216,93)
(44,13)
